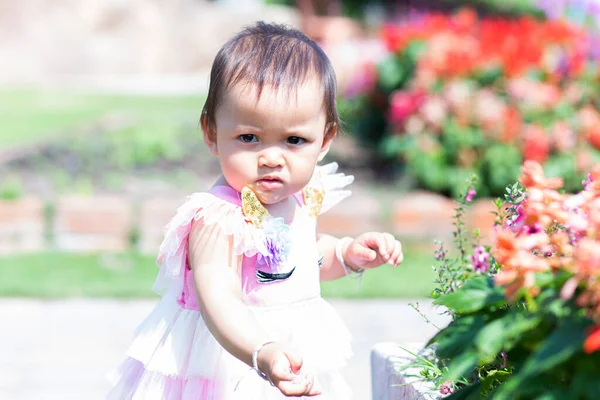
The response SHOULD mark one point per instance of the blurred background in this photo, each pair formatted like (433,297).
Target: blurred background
(99,144)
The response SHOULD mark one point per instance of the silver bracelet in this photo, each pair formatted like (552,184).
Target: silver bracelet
(350,273)
(255,362)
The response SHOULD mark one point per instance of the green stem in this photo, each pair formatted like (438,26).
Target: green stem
(531,304)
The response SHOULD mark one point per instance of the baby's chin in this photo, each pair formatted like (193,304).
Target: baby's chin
(270,198)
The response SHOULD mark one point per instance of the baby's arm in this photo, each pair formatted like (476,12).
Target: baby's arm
(217,279)
(368,250)
(331,268)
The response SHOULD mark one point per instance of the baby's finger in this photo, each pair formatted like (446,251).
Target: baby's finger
(280,371)
(397,256)
(390,242)
(375,241)
(379,242)
(295,360)
(364,253)
(316,389)
(300,387)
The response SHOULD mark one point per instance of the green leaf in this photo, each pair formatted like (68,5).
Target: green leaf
(564,110)
(415,50)
(474,295)
(429,169)
(391,73)
(556,395)
(458,336)
(501,165)
(503,333)
(493,379)
(585,384)
(564,165)
(488,76)
(461,366)
(397,144)
(562,344)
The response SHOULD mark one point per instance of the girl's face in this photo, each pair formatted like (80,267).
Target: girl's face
(272,144)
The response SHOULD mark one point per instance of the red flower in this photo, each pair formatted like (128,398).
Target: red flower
(465,20)
(592,342)
(536,145)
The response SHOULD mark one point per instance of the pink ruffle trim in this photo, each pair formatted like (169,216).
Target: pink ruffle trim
(135,382)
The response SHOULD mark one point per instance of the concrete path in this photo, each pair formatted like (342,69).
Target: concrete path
(61,350)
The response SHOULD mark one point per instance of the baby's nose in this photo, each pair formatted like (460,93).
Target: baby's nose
(271,158)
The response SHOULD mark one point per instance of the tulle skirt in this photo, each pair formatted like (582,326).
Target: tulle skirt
(175,357)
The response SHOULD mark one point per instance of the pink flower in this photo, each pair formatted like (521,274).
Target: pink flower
(362,82)
(480,260)
(563,137)
(434,111)
(516,222)
(470,195)
(403,104)
(447,388)
(458,93)
(587,182)
(489,108)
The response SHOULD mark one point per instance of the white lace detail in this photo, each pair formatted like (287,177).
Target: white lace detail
(333,184)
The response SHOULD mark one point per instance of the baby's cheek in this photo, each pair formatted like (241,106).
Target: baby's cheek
(238,169)
(303,171)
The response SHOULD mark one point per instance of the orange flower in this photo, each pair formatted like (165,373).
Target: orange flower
(587,258)
(532,175)
(518,262)
(511,125)
(592,342)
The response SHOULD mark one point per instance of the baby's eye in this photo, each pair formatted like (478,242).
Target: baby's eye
(248,138)
(295,140)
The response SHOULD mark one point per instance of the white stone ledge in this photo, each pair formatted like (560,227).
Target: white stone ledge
(391,377)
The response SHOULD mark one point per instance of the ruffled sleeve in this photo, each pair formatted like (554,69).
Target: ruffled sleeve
(326,188)
(173,253)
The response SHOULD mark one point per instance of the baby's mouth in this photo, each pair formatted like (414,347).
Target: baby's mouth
(269,183)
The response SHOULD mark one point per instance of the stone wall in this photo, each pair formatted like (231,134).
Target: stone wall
(49,40)
(113,223)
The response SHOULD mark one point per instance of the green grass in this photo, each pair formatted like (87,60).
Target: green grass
(130,275)
(60,275)
(30,116)
(413,278)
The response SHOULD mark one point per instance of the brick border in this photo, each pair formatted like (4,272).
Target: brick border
(113,223)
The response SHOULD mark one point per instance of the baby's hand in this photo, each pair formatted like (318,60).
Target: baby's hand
(283,368)
(373,249)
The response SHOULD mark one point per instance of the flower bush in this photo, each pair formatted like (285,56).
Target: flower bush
(460,95)
(526,310)
(581,12)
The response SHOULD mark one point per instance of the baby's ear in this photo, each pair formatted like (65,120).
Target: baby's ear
(210,134)
(330,134)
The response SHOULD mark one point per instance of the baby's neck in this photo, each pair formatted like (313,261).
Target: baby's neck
(285,209)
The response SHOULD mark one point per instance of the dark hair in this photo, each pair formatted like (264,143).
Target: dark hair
(274,55)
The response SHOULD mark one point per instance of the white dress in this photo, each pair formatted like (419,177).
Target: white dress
(174,355)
